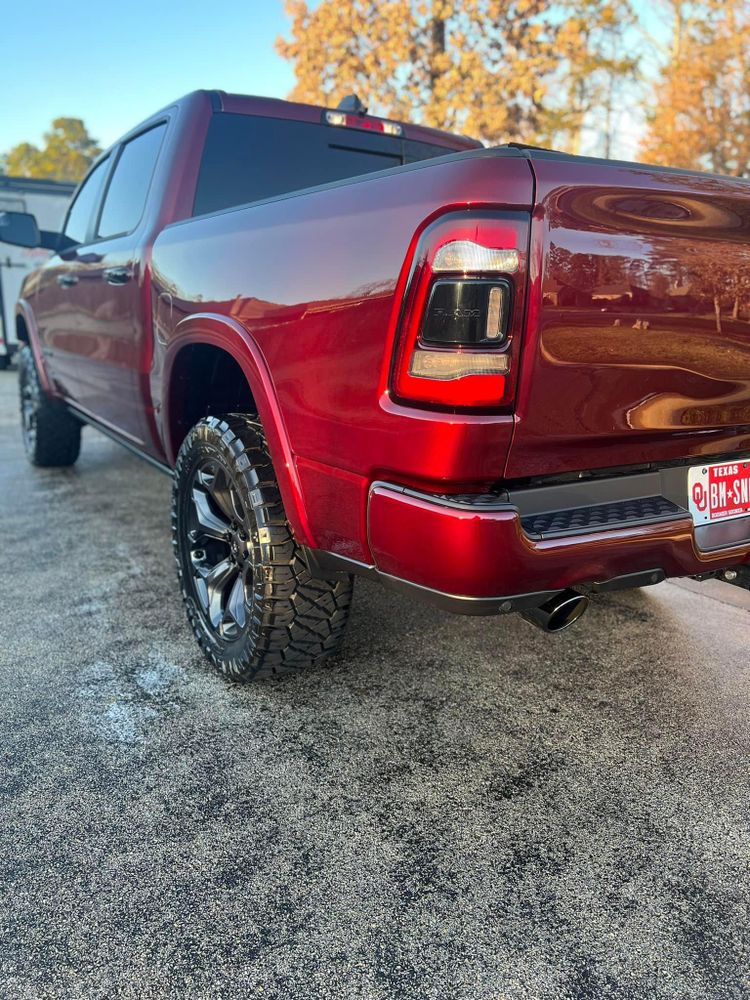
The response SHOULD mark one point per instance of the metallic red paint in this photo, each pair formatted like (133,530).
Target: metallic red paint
(231,337)
(623,258)
(610,363)
(315,281)
(489,555)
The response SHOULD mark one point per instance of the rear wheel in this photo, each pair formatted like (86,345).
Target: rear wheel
(254,607)
(51,434)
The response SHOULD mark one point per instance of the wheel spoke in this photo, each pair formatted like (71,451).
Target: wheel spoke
(224,496)
(236,602)
(211,523)
(216,581)
(217,539)
(202,591)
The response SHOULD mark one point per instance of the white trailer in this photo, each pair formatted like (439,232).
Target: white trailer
(48,201)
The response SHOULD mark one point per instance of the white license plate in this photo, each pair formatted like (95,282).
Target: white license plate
(719,492)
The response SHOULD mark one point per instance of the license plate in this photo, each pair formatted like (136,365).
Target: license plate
(719,492)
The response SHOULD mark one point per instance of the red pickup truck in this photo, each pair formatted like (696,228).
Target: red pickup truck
(498,379)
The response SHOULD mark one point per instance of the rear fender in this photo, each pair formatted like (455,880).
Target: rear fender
(230,336)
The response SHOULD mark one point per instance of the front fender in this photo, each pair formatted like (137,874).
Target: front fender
(232,337)
(26,313)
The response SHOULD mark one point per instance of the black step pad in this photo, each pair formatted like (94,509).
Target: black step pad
(601,516)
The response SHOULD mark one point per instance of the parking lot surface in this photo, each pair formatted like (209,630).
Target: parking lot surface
(454,808)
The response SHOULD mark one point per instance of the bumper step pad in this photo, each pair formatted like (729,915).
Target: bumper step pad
(601,517)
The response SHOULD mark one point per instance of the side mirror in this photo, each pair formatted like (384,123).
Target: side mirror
(20,229)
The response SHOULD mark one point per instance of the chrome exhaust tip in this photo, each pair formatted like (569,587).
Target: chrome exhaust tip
(557,613)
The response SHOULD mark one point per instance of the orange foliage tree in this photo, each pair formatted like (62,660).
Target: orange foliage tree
(701,113)
(66,155)
(502,70)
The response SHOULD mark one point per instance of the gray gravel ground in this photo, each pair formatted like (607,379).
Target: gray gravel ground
(455,808)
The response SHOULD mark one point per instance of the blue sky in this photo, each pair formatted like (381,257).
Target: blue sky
(113,64)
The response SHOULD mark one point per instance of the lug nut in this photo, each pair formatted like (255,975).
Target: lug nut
(730,575)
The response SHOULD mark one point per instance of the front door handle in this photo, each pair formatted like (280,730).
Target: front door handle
(117,275)
(67,280)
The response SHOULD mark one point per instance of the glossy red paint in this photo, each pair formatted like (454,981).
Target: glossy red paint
(622,365)
(489,555)
(229,336)
(96,339)
(27,325)
(315,279)
(612,363)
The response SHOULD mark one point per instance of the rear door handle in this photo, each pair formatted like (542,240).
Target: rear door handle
(67,280)
(116,275)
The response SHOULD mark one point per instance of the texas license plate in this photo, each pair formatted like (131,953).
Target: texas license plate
(719,492)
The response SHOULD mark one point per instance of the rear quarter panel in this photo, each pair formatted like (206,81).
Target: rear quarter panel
(314,279)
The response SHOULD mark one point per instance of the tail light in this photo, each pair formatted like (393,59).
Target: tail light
(456,332)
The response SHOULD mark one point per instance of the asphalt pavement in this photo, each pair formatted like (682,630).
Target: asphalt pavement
(454,808)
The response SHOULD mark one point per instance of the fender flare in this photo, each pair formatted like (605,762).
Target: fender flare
(26,313)
(229,335)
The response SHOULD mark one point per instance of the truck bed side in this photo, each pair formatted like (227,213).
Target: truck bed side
(313,278)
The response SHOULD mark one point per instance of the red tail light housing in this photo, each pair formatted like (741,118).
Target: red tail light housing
(462,312)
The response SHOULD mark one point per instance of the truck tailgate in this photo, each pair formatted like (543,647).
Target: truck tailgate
(637,346)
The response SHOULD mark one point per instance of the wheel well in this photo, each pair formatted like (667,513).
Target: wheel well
(22,330)
(205,381)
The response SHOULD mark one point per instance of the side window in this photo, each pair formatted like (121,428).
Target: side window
(126,195)
(84,206)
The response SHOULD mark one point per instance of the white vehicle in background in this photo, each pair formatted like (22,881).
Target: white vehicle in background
(48,201)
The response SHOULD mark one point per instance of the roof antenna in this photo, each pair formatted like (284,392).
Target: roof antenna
(352,104)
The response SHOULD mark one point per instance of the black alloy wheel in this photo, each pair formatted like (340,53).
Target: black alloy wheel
(51,433)
(254,607)
(221,549)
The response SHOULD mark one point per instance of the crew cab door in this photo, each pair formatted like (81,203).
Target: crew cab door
(113,295)
(57,308)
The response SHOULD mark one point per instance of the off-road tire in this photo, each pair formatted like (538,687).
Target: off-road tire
(51,434)
(292,620)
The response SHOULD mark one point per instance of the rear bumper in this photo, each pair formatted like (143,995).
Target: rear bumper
(477,557)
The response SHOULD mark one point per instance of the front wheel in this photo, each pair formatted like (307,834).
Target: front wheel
(51,434)
(254,607)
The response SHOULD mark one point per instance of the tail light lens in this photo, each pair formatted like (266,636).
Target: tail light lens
(466,312)
(456,331)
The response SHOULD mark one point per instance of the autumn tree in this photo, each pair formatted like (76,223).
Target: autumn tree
(700,116)
(66,155)
(596,64)
(496,69)
(473,66)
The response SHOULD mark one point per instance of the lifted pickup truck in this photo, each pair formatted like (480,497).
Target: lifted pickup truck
(497,379)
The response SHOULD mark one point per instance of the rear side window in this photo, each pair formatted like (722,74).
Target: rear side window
(86,201)
(247,158)
(126,195)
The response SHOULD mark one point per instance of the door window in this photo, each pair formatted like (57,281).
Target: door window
(126,196)
(86,201)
